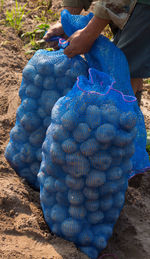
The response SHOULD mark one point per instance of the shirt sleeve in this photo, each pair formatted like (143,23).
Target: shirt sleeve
(117,11)
(78,3)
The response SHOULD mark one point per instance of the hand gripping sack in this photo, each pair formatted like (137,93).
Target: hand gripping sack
(46,77)
(106,57)
(86,161)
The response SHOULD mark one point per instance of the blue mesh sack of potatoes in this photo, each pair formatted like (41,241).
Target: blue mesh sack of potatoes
(46,77)
(106,57)
(86,161)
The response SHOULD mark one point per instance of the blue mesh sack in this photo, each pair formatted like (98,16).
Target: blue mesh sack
(106,57)
(86,161)
(46,77)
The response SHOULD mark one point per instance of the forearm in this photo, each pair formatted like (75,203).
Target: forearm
(82,40)
(95,27)
(84,4)
(74,10)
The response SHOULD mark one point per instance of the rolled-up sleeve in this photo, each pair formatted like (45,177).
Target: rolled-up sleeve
(117,11)
(77,3)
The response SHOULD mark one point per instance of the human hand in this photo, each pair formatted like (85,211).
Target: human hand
(79,43)
(82,40)
(55,30)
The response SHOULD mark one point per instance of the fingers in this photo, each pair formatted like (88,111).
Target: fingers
(55,30)
(69,52)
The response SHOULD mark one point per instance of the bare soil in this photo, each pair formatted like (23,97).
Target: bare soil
(23,231)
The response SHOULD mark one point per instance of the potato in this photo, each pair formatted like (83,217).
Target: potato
(57,132)
(47,198)
(86,237)
(58,109)
(122,138)
(129,150)
(82,132)
(128,120)
(49,83)
(106,202)
(108,188)
(63,83)
(114,173)
(81,67)
(105,133)
(75,197)
(69,120)
(49,184)
(41,113)
(77,212)
(29,73)
(127,166)
(44,67)
(92,205)
(70,227)
(39,154)
(61,68)
(46,122)
(73,183)
(57,154)
(104,229)
(32,91)
(112,215)
(95,217)
(10,152)
(62,198)
(101,160)
(56,229)
(69,146)
(93,116)
(37,137)
(119,199)
(95,178)
(116,152)
(38,81)
(100,242)
(30,121)
(79,163)
(91,193)
(110,114)
(18,134)
(22,90)
(48,100)
(17,162)
(29,104)
(60,185)
(34,167)
(58,213)
(89,147)
(27,154)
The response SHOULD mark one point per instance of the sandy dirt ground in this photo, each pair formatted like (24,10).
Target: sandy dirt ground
(23,232)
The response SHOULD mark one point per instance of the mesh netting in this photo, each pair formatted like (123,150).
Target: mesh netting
(86,161)
(46,77)
(106,57)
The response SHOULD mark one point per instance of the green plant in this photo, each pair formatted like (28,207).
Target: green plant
(1,5)
(15,16)
(148,150)
(34,39)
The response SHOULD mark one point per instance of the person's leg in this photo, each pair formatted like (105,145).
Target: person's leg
(133,40)
(137,84)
